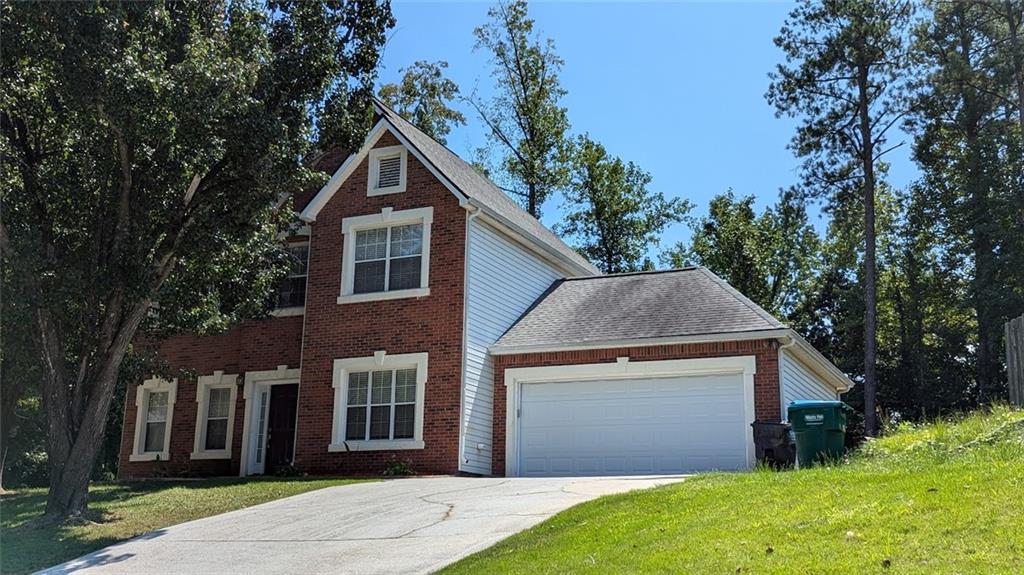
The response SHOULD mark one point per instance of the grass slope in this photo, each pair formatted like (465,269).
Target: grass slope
(942,498)
(127,509)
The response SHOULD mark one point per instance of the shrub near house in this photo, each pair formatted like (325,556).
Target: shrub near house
(430,320)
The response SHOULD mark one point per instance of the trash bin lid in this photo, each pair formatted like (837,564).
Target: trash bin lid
(817,404)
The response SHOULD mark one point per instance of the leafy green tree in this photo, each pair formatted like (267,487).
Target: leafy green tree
(525,119)
(769,257)
(146,148)
(424,96)
(969,128)
(611,216)
(926,366)
(845,62)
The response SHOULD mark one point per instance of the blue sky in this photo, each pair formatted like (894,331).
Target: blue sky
(677,88)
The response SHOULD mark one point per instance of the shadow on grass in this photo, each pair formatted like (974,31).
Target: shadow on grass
(28,547)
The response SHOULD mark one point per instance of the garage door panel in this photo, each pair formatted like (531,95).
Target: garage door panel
(651,426)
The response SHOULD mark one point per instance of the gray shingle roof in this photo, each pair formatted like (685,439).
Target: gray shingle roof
(675,303)
(477,187)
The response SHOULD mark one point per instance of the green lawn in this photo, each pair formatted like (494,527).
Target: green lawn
(943,498)
(127,509)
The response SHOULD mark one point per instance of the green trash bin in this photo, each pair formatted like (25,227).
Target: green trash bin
(820,429)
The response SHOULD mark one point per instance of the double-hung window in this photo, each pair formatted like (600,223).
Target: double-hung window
(386,255)
(154,403)
(215,414)
(156,422)
(378,402)
(388,259)
(291,292)
(381,404)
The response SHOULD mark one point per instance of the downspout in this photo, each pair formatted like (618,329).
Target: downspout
(473,212)
(790,342)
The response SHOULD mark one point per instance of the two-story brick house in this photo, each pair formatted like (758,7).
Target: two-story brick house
(433,321)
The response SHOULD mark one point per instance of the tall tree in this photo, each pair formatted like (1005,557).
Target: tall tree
(770,258)
(970,142)
(525,119)
(844,64)
(611,216)
(145,150)
(424,97)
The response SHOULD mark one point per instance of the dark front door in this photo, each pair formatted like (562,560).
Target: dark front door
(281,425)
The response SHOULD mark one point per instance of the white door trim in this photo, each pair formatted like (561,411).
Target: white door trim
(256,382)
(622,369)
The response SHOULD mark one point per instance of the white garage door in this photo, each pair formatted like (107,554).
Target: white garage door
(633,426)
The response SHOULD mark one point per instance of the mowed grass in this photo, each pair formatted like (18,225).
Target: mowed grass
(941,498)
(126,509)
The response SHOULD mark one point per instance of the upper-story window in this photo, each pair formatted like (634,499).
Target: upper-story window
(387,171)
(291,292)
(386,255)
(388,258)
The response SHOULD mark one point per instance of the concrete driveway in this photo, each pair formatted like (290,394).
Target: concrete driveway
(401,526)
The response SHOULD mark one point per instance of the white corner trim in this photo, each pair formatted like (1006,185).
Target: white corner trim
(203,386)
(386,217)
(623,370)
(154,384)
(281,375)
(379,360)
(375,156)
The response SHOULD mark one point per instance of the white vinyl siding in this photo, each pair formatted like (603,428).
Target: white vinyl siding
(798,382)
(503,281)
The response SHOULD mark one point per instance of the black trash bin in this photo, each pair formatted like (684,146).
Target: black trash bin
(773,443)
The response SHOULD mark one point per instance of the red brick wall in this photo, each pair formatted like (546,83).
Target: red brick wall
(252,346)
(431,324)
(766,380)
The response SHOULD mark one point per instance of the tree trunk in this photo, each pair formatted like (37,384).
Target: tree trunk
(870,294)
(531,200)
(76,429)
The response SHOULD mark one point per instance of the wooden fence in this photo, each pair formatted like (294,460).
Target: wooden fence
(1015,359)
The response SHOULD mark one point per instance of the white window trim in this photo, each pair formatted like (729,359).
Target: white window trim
(375,156)
(203,386)
(142,392)
(378,361)
(387,217)
(623,369)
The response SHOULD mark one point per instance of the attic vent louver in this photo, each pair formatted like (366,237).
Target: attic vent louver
(390,172)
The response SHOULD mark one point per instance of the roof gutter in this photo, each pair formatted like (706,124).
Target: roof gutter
(499,349)
(790,340)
